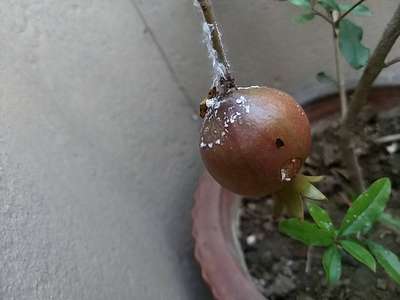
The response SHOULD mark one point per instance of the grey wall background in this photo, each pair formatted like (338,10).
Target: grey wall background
(98,143)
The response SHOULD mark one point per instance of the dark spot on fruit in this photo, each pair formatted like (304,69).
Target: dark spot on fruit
(279,143)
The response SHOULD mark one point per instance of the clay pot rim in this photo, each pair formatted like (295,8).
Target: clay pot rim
(215,213)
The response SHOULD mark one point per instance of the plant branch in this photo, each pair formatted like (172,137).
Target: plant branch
(392,62)
(374,67)
(209,17)
(348,11)
(359,98)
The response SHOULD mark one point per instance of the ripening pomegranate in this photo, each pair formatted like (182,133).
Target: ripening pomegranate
(254,140)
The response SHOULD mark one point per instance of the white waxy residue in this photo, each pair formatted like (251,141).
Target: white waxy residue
(219,69)
(249,87)
(239,100)
(243,103)
(210,102)
(218,142)
(234,116)
(285,175)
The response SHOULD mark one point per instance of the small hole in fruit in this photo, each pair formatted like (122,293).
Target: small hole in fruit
(279,143)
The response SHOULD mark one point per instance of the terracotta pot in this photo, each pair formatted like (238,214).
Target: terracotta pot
(216,217)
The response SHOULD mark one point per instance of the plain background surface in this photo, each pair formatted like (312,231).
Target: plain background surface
(98,143)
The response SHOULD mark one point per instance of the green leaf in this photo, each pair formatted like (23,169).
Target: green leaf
(325,78)
(350,36)
(360,253)
(320,217)
(387,259)
(304,18)
(332,263)
(359,10)
(306,232)
(366,208)
(329,4)
(303,3)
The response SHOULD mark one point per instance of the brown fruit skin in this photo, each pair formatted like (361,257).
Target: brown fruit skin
(241,140)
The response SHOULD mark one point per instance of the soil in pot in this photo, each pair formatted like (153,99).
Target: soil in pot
(277,263)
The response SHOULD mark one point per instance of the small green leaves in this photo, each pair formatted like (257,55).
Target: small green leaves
(307,190)
(359,10)
(390,221)
(314,178)
(304,18)
(350,36)
(359,253)
(360,217)
(332,263)
(311,192)
(303,3)
(306,232)
(322,77)
(387,259)
(320,217)
(366,208)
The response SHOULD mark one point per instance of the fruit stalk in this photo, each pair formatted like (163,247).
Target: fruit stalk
(209,17)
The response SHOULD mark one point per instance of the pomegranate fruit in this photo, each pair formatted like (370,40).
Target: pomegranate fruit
(254,140)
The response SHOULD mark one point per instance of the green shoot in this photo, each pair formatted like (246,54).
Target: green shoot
(350,237)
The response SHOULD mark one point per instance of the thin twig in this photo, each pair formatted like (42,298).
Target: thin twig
(339,72)
(350,159)
(348,11)
(388,138)
(318,13)
(209,17)
(392,62)
(309,259)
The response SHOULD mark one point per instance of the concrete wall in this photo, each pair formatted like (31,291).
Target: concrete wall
(98,157)
(98,144)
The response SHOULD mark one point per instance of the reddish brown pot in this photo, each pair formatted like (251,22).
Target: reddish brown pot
(216,217)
